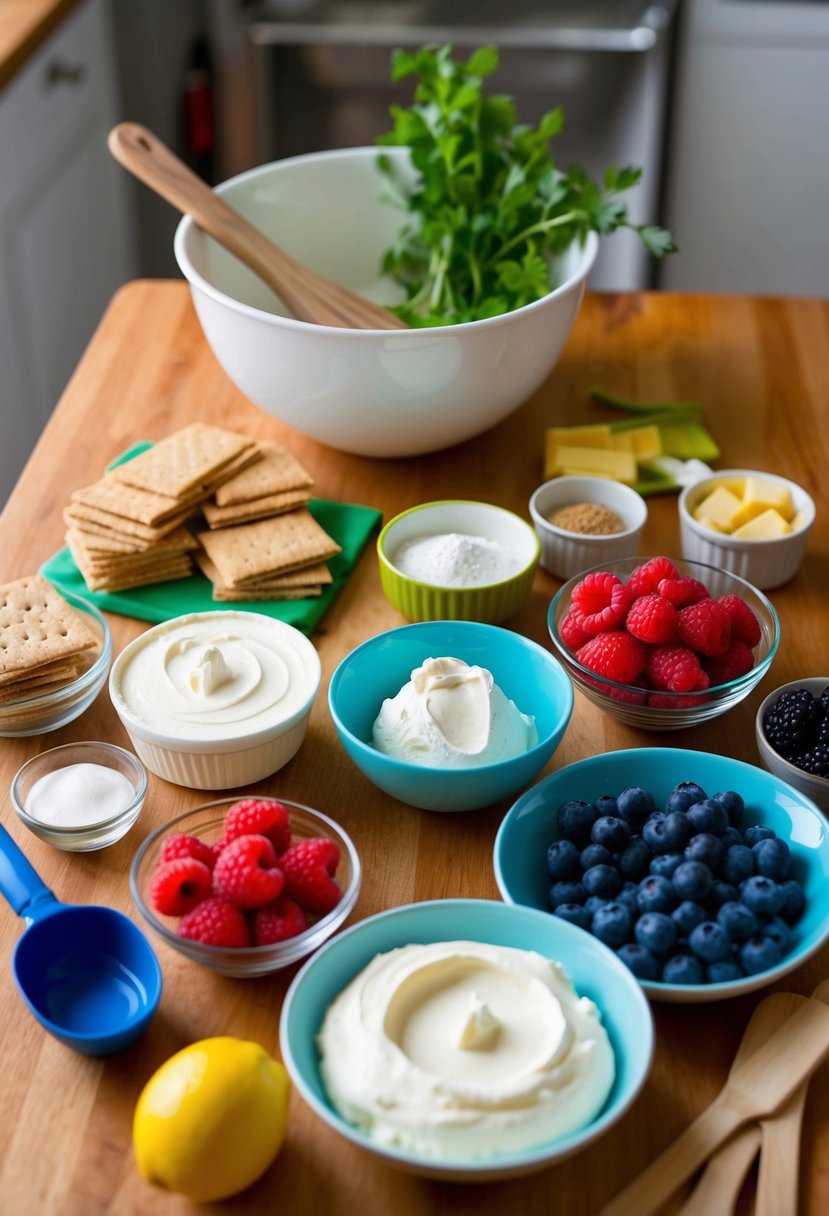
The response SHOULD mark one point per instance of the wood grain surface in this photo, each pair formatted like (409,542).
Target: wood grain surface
(758,368)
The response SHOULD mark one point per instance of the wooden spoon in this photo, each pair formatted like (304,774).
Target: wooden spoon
(757,1087)
(309,296)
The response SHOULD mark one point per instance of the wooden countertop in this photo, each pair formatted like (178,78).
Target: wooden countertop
(758,368)
(24,25)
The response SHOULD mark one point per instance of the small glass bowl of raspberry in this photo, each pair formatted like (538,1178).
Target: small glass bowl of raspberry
(247,885)
(662,643)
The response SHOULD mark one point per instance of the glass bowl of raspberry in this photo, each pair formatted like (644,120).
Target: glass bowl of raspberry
(246,886)
(661,643)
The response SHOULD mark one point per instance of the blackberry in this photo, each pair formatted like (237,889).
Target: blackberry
(824,700)
(815,760)
(788,724)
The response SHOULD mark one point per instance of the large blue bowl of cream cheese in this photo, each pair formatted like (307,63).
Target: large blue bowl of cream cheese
(428,684)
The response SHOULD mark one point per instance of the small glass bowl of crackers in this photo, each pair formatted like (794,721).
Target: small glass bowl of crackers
(55,653)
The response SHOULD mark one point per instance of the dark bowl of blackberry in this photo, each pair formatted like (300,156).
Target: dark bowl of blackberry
(792,729)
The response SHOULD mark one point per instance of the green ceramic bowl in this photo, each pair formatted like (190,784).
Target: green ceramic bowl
(482,570)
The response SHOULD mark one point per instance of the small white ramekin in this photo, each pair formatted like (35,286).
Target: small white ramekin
(814,787)
(218,764)
(765,563)
(566,554)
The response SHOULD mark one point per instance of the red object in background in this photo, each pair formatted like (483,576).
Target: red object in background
(199,120)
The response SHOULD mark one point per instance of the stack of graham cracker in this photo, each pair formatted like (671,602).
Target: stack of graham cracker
(44,643)
(127,529)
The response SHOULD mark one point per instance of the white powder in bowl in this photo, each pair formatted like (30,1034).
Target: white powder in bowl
(453,559)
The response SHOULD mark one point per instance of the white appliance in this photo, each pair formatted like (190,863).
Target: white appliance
(748,169)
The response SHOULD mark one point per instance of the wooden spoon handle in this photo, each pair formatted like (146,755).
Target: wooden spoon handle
(309,296)
(720,1183)
(779,1177)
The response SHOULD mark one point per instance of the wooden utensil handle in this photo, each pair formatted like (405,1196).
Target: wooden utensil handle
(655,1185)
(720,1184)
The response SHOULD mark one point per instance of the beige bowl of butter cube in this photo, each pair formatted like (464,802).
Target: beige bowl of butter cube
(750,523)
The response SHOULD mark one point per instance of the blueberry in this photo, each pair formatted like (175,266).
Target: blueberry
(683,969)
(593,903)
(666,863)
(761,895)
(687,916)
(778,931)
(641,962)
(677,830)
(758,954)
(772,859)
(733,805)
(656,932)
(738,922)
(612,925)
(738,864)
(562,860)
(756,833)
(634,860)
(574,821)
(627,897)
(684,796)
(605,881)
(595,855)
(656,894)
(724,972)
(709,941)
(707,848)
(612,832)
(606,805)
(708,816)
(576,914)
(566,892)
(731,836)
(634,804)
(794,900)
(723,893)
(693,880)
(653,833)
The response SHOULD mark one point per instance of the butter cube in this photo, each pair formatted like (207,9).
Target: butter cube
(767,526)
(621,466)
(759,496)
(718,509)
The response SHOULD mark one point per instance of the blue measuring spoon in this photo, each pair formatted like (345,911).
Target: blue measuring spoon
(87,973)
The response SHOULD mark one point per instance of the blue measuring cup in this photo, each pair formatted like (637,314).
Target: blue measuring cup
(87,973)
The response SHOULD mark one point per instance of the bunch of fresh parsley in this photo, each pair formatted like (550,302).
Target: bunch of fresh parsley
(489,207)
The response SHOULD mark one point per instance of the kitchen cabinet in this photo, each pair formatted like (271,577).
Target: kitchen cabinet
(65,231)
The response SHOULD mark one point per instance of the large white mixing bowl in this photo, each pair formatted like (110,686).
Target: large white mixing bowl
(375,393)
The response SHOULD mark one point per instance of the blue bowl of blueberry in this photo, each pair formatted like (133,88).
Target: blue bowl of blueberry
(792,729)
(709,877)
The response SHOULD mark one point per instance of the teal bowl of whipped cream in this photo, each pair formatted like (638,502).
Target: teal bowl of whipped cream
(467,1039)
(450,715)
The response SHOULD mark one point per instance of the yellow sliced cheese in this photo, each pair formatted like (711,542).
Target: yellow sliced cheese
(592,435)
(621,466)
(764,527)
(643,441)
(570,472)
(718,509)
(759,496)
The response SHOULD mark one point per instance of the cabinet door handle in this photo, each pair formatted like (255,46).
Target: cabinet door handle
(59,72)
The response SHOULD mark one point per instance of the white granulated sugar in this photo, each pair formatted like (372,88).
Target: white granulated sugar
(453,559)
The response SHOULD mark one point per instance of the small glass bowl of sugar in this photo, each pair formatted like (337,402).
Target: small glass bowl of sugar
(81,796)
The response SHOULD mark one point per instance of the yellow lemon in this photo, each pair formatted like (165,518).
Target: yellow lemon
(211,1120)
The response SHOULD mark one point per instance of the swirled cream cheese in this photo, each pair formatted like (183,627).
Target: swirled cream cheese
(464,1050)
(217,675)
(452,715)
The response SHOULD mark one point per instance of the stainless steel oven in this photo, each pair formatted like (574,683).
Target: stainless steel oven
(319,71)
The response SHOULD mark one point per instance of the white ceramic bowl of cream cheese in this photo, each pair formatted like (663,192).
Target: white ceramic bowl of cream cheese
(215,700)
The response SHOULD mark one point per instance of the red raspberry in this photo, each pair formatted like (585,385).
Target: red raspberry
(704,627)
(259,817)
(280,920)
(664,700)
(178,885)
(652,619)
(600,602)
(684,590)
(309,869)
(616,655)
(180,845)
(648,576)
(624,695)
(571,632)
(675,669)
(736,661)
(216,922)
(744,624)
(247,872)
